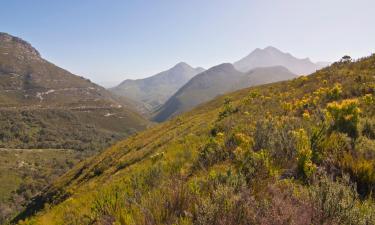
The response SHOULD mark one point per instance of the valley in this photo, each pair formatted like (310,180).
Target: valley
(187,112)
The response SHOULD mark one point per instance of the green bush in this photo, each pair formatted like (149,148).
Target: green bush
(227,110)
(368,129)
(331,149)
(337,202)
(345,116)
(276,138)
(213,152)
(255,166)
(306,167)
(335,92)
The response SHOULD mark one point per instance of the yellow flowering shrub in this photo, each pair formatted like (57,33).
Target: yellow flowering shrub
(304,153)
(345,116)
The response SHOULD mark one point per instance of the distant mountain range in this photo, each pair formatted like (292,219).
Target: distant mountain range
(272,56)
(44,103)
(216,81)
(155,90)
(183,87)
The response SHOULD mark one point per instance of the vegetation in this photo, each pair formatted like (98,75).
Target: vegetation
(24,173)
(43,107)
(294,152)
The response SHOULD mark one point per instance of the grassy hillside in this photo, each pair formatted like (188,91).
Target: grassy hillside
(294,152)
(46,107)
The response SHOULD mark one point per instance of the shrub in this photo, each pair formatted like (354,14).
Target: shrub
(365,147)
(368,99)
(362,171)
(345,116)
(337,202)
(212,152)
(331,148)
(255,165)
(368,129)
(223,206)
(335,92)
(304,154)
(227,110)
(107,204)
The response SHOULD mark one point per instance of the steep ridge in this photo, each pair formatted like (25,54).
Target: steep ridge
(153,91)
(272,56)
(216,81)
(261,155)
(44,106)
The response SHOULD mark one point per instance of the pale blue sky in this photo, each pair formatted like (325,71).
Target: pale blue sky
(109,41)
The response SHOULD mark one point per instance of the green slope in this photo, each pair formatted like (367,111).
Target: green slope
(25,172)
(46,107)
(283,153)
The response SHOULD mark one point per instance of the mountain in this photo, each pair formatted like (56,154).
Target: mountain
(272,56)
(216,81)
(50,119)
(44,106)
(293,152)
(155,90)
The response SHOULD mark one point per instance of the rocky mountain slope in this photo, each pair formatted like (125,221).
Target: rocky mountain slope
(44,106)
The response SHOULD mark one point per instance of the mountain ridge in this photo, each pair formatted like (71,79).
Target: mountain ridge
(153,91)
(271,56)
(215,81)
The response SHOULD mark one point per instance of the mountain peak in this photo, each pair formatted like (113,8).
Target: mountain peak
(182,64)
(226,66)
(155,90)
(271,56)
(9,41)
(271,48)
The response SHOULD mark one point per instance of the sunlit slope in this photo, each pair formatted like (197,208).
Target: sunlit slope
(45,106)
(262,155)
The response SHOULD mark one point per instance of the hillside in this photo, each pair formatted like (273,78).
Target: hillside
(25,172)
(155,90)
(272,56)
(44,106)
(293,152)
(216,81)
(49,120)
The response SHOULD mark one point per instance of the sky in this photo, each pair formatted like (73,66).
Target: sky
(108,41)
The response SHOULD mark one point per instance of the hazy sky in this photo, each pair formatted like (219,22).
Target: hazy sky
(111,40)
